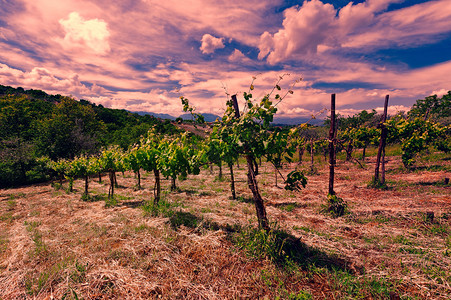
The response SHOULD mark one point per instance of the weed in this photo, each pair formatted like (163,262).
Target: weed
(441,229)
(35,213)
(401,239)
(206,210)
(370,240)
(123,198)
(3,244)
(70,294)
(78,273)
(448,242)
(111,202)
(289,207)
(11,204)
(218,189)
(220,179)
(203,194)
(301,295)
(163,208)
(377,184)
(141,228)
(91,198)
(8,217)
(366,288)
(335,206)
(411,250)
(184,218)
(66,268)
(99,231)
(245,200)
(36,236)
(283,249)
(303,228)
(16,196)
(260,243)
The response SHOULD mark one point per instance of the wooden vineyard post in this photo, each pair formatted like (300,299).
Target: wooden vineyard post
(232,182)
(331,146)
(312,167)
(86,185)
(251,180)
(157,187)
(301,153)
(381,151)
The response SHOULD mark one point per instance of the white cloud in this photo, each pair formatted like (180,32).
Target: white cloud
(86,33)
(211,43)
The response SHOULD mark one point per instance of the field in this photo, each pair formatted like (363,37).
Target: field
(201,244)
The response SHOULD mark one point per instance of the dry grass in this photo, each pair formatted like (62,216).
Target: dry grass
(52,244)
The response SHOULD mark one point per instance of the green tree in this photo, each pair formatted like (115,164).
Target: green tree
(70,130)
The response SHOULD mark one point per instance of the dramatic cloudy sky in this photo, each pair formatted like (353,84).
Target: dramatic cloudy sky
(142,55)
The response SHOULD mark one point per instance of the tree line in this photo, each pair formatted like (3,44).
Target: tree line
(34,124)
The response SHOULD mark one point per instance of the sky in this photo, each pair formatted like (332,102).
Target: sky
(142,55)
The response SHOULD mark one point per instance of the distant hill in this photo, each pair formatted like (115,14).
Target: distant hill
(296,121)
(207,117)
(32,94)
(156,115)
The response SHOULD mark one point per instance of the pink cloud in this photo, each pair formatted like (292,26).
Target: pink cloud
(134,47)
(238,57)
(318,26)
(41,78)
(414,25)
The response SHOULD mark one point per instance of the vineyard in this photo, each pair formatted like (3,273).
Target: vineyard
(243,210)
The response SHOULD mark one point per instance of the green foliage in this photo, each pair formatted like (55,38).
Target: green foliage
(111,202)
(294,179)
(163,208)
(69,130)
(260,243)
(416,134)
(433,108)
(364,118)
(335,206)
(111,159)
(283,249)
(179,157)
(377,184)
(19,163)
(184,218)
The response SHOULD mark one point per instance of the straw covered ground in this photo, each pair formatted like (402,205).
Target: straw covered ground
(200,244)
